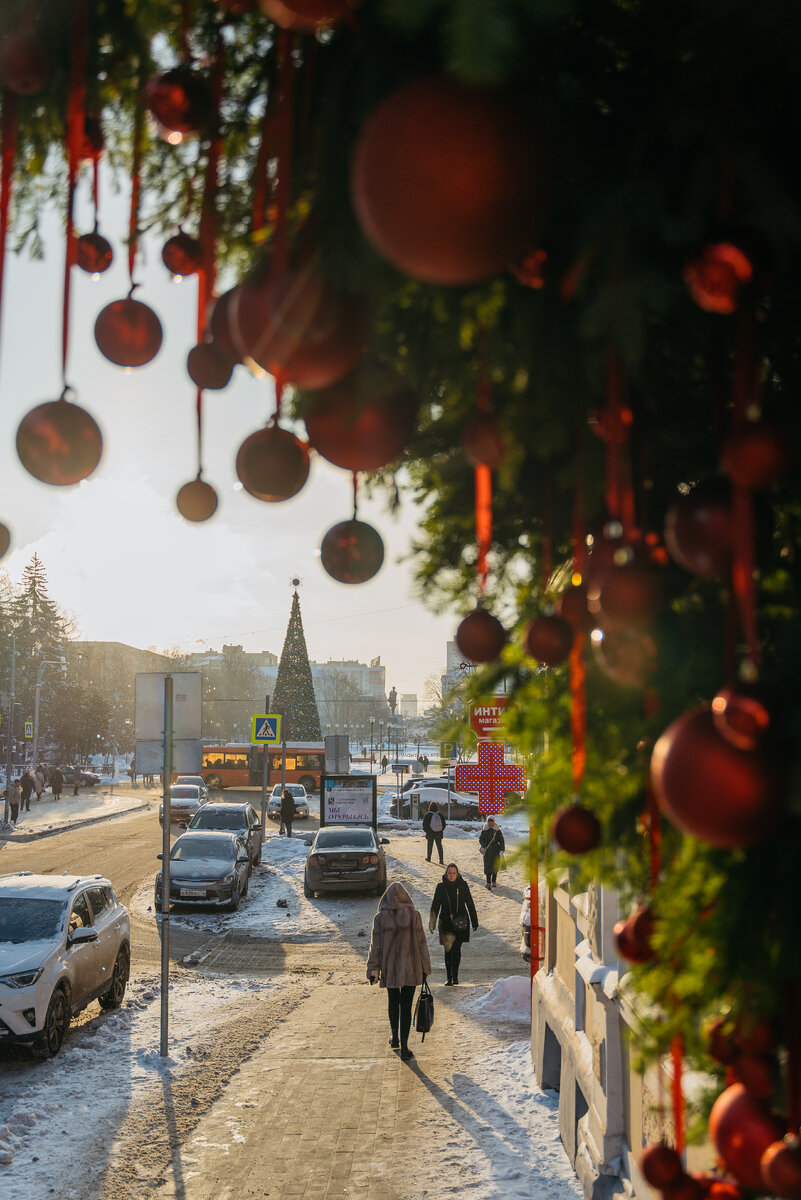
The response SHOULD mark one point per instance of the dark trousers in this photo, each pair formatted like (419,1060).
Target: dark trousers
(399,1004)
(288,827)
(491,869)
(452,959)
(13,812)
(431,838)
(26,803)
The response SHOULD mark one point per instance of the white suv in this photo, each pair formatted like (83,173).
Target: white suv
(64,941)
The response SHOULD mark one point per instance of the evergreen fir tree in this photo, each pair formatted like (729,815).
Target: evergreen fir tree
(294,691)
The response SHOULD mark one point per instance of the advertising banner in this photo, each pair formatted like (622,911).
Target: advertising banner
(485,719)
(348,800)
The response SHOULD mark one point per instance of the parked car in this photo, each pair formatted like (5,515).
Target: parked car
(206,867)
(64,942)
(198,779)
(86,776)
(463,805)
(185,800)
(345,858)
(241,819)
(298,795)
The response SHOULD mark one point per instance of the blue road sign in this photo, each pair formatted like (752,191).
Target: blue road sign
(265,729)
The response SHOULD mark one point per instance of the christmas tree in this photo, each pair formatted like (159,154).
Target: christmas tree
(294,691)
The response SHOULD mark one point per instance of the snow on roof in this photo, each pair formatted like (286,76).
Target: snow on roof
(45,887)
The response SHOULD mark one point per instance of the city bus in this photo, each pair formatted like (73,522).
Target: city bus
(240,765)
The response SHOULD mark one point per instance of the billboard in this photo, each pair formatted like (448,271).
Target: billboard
(187,743)
(348,800)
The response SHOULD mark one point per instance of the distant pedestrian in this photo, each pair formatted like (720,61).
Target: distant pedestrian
(433,827)
(398,960)
(26,789)
(14,797)
(492,845)
(384,764)
(453,905)
(39,781)
(287,810)
(56,782)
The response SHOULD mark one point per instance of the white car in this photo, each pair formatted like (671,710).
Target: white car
(64,941)
(298,795)
(418,796)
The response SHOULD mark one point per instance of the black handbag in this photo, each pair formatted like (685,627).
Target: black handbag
(459,923)
(424,1010)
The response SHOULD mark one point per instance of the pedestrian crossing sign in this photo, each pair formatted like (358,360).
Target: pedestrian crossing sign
(29,729)
(265,729)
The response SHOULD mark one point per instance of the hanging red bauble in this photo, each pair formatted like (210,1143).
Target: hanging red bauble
(363,422)
(94,142)
(634,942)
(59,443)
(576,830)
(180,100)
(93,253)
(207,367)
(630,594)
(352,551)
(741,1129)
(742,716)
(272,464)
(713,791)
(220,327)
(698,529)
(549,640)
(483,442)
(719,1041)
(780,1167)
(182,254)
(480,636)
(756,1072)
(626,656)
(661,1166)
(721,1189)
(24,62)
(470,220)
(758,455)
(717,276)
(197,501)
(128,333)
(5,540)
(573,608)
(304,16)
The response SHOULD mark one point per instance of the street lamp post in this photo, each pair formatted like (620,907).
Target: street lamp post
(46,662)
(371,747)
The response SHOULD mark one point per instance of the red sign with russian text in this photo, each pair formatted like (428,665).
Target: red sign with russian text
(485,719)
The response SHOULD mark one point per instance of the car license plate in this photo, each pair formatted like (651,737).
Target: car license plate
(193,891)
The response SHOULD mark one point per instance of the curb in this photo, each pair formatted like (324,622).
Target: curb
(33,837)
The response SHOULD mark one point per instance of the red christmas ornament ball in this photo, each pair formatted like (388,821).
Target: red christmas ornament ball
(480,636)
(628,945)
(207,367)
(698,529)
(720,1042)
(182,254)
(352,551)
(128,333)
(180,100)
(757,456)
(5,540)
(661,1166)
(450,182)
(304,16)
(576,830)
(717,276)
(93,253)
(631,595)
(482,442)
(741,1128)
(780,1167)
(363,422)
(24,62)
(626,656)
(711,790)
(723,1189)
(197,501)
(573,607)
(272,464)
(549,640)
(741,716)
(59,443)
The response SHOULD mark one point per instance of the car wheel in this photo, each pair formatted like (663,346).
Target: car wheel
(56,1024)
(214,783)
(119,980)
(307,891)
(246,885)
(236,896)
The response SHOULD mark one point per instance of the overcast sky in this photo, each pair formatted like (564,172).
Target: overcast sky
(117,554)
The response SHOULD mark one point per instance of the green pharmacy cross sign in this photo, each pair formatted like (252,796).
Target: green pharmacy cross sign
(265,729)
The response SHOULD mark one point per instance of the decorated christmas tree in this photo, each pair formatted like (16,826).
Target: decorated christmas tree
(294,691)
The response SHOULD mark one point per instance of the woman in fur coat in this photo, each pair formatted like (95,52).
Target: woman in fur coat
(398,958)
(454,906)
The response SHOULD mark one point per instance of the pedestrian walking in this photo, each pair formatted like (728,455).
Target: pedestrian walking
(453,905)
(56,782)
(39,781)
(384,764)
(492,846)
(26,790)
(287,810)
(14,797)
(434,827)
(399,960)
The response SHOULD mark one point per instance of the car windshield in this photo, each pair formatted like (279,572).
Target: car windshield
(218,819)
(184,793)
(200,847)
(328,839)
(30,919)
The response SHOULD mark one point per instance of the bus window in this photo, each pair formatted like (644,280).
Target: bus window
(237,759)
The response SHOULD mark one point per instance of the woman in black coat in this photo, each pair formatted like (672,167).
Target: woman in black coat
(492,846)
(453,905)
(287,810)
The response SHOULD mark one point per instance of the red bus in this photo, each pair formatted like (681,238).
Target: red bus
(241,765)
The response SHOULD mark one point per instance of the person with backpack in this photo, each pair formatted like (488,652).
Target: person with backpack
(434,827)
(453,912)
(398,960)
(492,845)
(287,810)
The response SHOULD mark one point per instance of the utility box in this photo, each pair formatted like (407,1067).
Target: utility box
(337,754)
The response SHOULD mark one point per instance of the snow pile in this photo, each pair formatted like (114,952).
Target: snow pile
(509,1000)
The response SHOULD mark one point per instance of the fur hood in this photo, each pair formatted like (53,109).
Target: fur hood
(395,896)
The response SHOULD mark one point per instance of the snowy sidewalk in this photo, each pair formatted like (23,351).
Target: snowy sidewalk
(92,804)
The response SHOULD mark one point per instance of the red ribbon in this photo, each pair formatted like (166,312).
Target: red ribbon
(578,710)
(9,129)
(75,133)
(136,167)
(677,1059)
(483,476)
